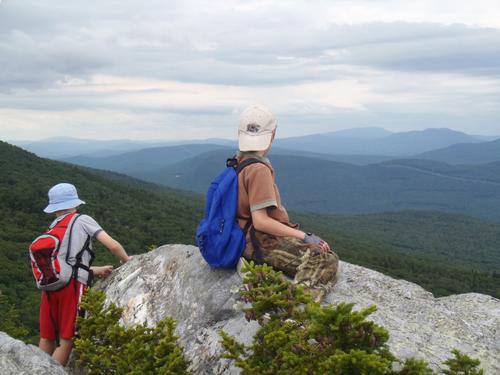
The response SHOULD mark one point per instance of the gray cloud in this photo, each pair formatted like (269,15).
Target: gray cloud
(248,45)
(43,42)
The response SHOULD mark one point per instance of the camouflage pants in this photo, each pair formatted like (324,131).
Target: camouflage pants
(307,264)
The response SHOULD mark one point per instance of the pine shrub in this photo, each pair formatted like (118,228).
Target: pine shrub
(10,320)
(462,364)
(106,347)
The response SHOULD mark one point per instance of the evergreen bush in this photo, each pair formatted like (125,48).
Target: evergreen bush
(106,347)
(10,321)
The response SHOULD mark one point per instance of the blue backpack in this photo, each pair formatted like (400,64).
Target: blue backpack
(219,236)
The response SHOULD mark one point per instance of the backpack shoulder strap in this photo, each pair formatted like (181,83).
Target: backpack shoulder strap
(70,229)
(245,163)
(63,223)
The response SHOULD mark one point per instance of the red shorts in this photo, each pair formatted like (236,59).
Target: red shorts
(58,311)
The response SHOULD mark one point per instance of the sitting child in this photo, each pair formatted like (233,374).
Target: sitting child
(271,238)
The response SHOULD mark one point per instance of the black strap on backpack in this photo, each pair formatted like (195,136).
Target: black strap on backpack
(79,256)
(233,162)
(79,264)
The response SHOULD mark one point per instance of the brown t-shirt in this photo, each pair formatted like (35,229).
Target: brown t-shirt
(257,190)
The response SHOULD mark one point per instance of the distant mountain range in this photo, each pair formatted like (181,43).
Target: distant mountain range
(466,153)
(321,185)
(377,143)
(365,145)
(68,147)
(148,159)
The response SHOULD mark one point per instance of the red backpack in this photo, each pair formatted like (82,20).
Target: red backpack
(50,260)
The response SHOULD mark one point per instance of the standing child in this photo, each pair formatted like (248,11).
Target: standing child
(61,261)
(271,238)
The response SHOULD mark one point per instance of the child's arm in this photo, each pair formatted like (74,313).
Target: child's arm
(262,222)
(114,246)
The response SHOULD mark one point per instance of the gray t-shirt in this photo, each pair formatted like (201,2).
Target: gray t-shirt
(83,227)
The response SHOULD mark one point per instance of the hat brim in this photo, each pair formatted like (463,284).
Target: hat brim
(51,208)
(259,142)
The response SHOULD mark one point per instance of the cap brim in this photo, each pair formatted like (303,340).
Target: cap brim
(254,142)
(51,208)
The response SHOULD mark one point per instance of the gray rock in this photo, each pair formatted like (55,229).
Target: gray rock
(17,358)
(419,324)
(175,281)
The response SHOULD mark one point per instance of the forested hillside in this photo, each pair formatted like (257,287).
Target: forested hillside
(444,253)
(466,153)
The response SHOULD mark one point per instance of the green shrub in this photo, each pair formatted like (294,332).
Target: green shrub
(462,364)
(299,336)
(10,321)
(106,347)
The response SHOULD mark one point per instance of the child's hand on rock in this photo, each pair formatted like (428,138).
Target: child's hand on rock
(102,271)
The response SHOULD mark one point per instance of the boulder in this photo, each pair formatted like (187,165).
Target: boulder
(17,358)
(174,280)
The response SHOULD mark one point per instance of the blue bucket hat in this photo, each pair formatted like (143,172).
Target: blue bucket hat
(62,197)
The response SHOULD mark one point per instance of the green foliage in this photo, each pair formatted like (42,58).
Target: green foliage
(413,366)
(11,322)
(299,336)
(462,364)
(106,347)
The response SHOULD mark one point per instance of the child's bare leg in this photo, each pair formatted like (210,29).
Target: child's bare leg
(48,346)
(63,351)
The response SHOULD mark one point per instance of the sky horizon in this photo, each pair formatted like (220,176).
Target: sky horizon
(186,69)
(228,138)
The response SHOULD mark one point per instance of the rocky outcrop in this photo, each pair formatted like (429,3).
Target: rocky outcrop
(175,281)
(17,358)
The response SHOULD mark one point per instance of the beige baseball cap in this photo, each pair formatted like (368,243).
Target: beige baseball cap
(257,124)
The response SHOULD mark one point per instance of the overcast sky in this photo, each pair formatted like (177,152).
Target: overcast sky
(185,69)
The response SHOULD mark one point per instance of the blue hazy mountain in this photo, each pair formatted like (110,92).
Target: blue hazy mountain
(148,159)
(67,147)
(358,141)
(376,142)
(466,153)
(325,186)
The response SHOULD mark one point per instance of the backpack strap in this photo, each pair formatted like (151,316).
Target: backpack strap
(70,233)
(238,167)
(79,264)
(79,255)
(245,163)
(249,225)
